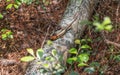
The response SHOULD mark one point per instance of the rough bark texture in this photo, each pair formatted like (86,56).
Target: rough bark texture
(81,8)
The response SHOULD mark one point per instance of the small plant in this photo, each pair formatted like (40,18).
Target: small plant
(15,5)
(48,62)
(81,56)
(105,25)
(92,67)
(89,70)
(1,16)
(116,58)
(95,66)
(6,34)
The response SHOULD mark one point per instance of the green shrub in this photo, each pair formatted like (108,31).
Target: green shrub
(49,63)
(6,34)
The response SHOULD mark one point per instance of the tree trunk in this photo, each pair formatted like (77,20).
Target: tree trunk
(77,10)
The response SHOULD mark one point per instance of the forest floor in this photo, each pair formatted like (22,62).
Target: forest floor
(106,53)
(30,24)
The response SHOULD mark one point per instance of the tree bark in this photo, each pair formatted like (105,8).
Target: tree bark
(81,9)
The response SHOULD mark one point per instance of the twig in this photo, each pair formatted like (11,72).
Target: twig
(108,41)
(45,37)
(117,12)
(7,62)
(113,43)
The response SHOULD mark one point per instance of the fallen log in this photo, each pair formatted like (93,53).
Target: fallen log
(79,9)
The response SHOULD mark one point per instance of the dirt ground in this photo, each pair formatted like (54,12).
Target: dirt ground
(104,50)
(30,24)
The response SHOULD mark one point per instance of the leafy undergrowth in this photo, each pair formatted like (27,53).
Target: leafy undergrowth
(25,26)
(105,54)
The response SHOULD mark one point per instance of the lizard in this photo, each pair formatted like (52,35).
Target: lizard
(63,31)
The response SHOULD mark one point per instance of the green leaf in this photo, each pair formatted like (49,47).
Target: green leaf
(83,57)
(54,52)
(85,46)
(74,73)
(46,65)
(106,21)
(39,53)
(30,50)
(83,41)
(89,40)
(49,42)
(10,36)
(57,66)
(49,58)
(89,70)
(77,41)
(82,64)
(8,32)
(59,71)
(27,58)
(116,58)
(8,0)
(96,24)
(1,16)
(108,27)
(18,2)
(73,51)
(94,64)
(96,17)
(3,30)
(4,36)
(100,28)
(16,6)
(39,63)
(9,6)
(71,60)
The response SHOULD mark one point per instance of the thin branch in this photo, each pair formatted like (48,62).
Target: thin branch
(113,43)
(45,36)
(117,12)
(108,41)
(7,62)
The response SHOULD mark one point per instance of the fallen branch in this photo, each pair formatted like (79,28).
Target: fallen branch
(112,43)
(64,43)
(108,41)
(7,62)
